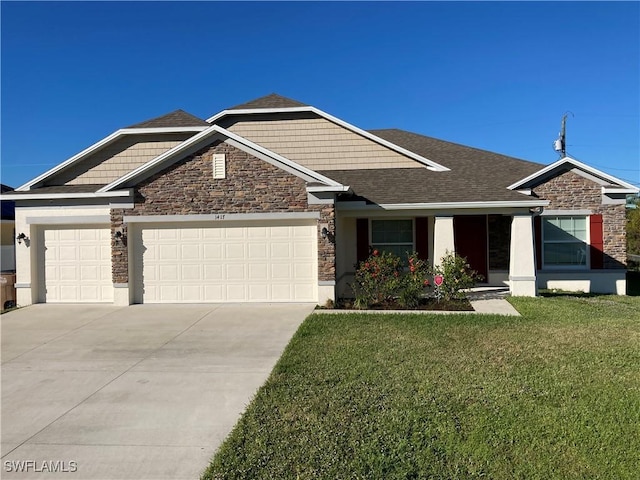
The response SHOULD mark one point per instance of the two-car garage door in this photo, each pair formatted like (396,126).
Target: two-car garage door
(224,262)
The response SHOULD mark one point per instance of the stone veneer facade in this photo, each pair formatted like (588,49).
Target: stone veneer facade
(251,186)
(570,191)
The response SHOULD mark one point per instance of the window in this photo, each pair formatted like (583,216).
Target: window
(394,236)
(565,241)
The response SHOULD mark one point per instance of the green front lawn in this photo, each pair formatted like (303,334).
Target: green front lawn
(554,394)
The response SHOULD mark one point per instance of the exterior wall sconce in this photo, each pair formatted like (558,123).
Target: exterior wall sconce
(21,237)
(327,235)
(120,235)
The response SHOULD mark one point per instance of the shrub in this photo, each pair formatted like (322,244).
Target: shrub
(377,279)
(457,276)
(382,279)
(414,282)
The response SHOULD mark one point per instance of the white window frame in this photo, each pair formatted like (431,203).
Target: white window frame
(553,266)
(410,248)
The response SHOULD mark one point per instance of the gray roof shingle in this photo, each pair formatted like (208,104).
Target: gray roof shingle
(475,176)
(177,118)
(272,100)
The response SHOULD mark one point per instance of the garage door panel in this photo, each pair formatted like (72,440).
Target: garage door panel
(228,263)
(258,272)
(168,252)
(235,272)
(236,293)
(77,264)
(212,252)
(258,251)
(191,273)
(234,251)
(213,273)
(281,250)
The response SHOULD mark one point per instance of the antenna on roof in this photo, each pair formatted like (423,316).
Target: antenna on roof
(560,145)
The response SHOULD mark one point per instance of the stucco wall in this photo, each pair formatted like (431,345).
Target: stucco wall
(570,191)
(251,186)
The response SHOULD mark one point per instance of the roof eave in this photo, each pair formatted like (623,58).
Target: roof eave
(69,195)
(445,205)
(525,182)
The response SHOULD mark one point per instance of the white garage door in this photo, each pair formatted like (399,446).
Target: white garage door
(228,263)
(77,265)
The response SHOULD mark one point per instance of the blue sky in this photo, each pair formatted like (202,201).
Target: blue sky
(494,75)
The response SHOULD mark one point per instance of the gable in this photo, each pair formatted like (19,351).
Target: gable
(317,143)
(250,184)
(608,183)
(116,159)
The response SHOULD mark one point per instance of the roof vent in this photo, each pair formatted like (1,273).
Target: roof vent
(219,167)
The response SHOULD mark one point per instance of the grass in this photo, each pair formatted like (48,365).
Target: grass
(554,394)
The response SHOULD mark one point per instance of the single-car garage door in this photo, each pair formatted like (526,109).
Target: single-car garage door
(226,262)
(77,265)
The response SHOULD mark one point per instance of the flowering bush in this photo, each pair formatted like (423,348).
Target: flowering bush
(414,282)
(377,279)
(454,275)
(382,279)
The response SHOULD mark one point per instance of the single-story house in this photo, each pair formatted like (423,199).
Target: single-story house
(276,201)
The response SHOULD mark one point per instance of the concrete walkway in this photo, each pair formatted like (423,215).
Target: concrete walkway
(139,392)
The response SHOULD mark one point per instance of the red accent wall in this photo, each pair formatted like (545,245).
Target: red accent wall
(597,241)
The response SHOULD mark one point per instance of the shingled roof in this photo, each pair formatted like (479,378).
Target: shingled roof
(475,176)
(177,118)
(272,100)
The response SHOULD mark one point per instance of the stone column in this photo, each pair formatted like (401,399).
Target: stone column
(443,238)
(522,264)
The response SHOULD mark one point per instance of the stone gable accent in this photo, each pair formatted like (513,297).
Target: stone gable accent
(251,185)
(570,191)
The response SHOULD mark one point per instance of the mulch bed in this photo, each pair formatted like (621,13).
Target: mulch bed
(425,304)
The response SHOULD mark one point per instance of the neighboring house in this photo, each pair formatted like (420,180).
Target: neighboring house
(7,236)
(276,201)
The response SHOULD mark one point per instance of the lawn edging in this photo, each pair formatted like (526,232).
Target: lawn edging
(490,307)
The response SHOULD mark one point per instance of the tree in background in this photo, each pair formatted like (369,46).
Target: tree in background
(633,226)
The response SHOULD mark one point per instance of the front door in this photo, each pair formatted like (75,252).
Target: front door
(470,235)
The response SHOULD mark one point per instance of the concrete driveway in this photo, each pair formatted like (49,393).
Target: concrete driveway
(138,392)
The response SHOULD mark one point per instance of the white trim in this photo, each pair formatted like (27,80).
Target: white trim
(567,213)
(627,191)
(441,205)
(333,188)
(580,165)
(70,220)
(430,164)
(57,196)
(220,217)
(237,141)
(145,131)
(103,143)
